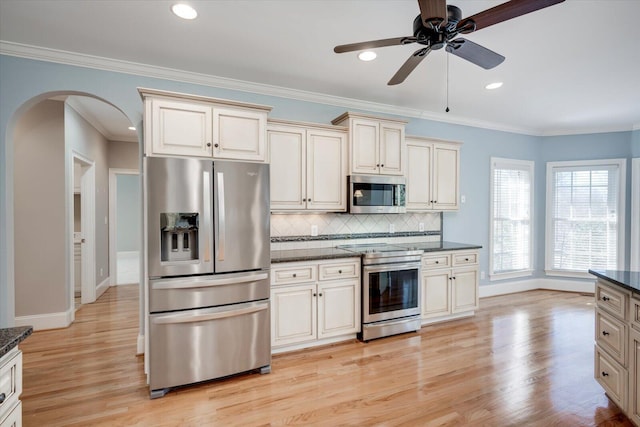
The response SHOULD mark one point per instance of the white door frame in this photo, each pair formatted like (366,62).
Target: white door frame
(88,226)
(635,214)
(113,220)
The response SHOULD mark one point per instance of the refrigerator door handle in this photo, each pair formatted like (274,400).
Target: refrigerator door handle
(206,315)
(221,218)
(206,197)
(205,283)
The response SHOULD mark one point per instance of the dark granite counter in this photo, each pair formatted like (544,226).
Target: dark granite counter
(310,254)
(292,255)
(11,337)
(355,237)
(627,279)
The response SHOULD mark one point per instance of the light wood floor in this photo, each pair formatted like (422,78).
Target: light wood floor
(524,359)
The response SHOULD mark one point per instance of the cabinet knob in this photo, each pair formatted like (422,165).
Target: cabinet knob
(216,145)
(315,295)
(605,333)
(294,275)
(437,262)
(208,144)
(320,293)
(605,298)
(466,259)
(308,200)
(435,201)
(378,165)
(339,271)
(2,397)
(381,166)
(605,374)
(454,278)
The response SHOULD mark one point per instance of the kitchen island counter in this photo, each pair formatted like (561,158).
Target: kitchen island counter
(11,337)
(624,278)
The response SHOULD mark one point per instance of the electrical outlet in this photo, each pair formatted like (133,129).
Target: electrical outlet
(392,228)
(421,226)
(463,199)
(314,230)
(482,275)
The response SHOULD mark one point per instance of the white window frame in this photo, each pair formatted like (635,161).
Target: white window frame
(621,164)
(517,164)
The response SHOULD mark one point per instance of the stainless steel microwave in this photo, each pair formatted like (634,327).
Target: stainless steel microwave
(371,194)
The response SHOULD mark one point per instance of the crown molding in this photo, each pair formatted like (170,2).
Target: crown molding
(127,67)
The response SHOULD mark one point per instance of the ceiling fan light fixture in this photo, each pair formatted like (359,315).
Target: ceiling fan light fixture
(494,85)
(367,55)
(184,11)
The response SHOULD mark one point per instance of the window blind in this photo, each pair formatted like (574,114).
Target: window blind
(584,217)
(512,199)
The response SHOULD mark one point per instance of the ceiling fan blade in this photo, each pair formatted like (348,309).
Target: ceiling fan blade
(409,66)
(373,44)
(474,53)
(503,12)
(433,12)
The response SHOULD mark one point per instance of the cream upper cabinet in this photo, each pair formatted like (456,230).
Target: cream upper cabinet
(376,145)
(195,126)
(308,167)
(433,174)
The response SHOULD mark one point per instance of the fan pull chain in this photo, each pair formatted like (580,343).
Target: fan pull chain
(447,109)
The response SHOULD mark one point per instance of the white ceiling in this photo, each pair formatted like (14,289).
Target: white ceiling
(570,68)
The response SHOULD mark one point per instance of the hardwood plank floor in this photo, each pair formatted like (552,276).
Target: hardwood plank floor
(524,359)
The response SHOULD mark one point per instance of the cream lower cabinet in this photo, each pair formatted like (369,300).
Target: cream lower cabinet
(449,285)
(634,383)
(433,174)
(308,168)
(313,303)
(196,126)
(10,389)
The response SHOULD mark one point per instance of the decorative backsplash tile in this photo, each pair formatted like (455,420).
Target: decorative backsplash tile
(300,225)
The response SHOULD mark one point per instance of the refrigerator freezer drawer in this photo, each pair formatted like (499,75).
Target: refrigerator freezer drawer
(197,345)
(182,293)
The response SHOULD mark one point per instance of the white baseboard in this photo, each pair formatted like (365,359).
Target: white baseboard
(511,287)
(102,287)
(41,322)
(140,345)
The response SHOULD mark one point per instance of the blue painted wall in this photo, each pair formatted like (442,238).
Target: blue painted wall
(23,83)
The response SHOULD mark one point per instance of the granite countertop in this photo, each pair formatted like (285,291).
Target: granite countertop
(11,337)
(625,278)
(292,255)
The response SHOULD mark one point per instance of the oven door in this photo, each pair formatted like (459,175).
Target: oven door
(390,291)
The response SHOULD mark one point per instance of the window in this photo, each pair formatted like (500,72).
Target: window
(585,216)
(511,228)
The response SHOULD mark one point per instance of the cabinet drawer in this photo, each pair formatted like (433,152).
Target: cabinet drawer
(339,270)
(612,377)
(612,300)
(465,258)
(10,381)
(611,335)
(634,308)
(297,274)
(436,261)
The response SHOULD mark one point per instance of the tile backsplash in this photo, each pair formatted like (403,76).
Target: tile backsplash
(300,225)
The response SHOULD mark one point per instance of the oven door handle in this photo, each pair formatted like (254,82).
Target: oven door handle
(390,267)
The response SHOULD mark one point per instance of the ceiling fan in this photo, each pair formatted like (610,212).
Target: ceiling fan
(437,26)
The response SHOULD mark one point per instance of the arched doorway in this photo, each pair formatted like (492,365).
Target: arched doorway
(52,134)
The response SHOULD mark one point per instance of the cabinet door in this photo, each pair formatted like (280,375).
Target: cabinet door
(446,165)
(391,149)
(326,170)
(365,146)
(239,134)
(287,155)
(293,314)
(418,176)
(634,383)
(465,290)
(436,293)
(338,308)
(179,128)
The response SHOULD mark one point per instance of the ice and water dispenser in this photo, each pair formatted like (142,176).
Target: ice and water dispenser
(179,236)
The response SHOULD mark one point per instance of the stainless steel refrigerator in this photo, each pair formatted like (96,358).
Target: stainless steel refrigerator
(208,263)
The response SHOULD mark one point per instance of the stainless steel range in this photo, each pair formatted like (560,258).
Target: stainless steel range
(390,289)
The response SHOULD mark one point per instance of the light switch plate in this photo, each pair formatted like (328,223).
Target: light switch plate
(463,199)
(314,230)
(392,228)
(421,226)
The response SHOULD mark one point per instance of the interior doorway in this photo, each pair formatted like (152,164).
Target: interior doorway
(124,227)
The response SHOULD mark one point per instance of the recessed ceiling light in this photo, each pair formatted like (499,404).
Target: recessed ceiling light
(492,86)
(131,128)
(184,11)
(367,55)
